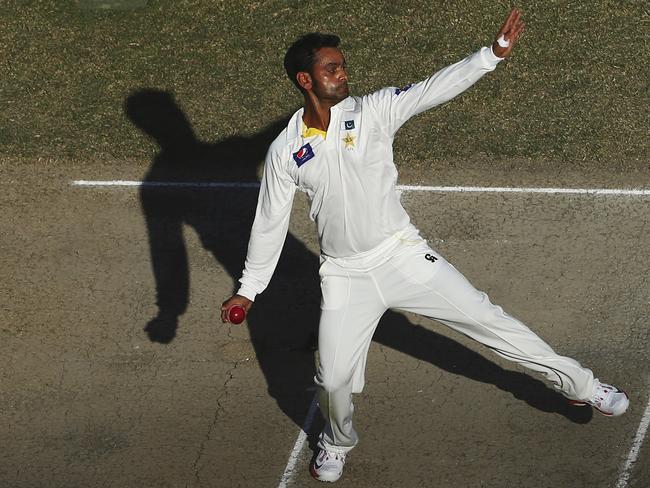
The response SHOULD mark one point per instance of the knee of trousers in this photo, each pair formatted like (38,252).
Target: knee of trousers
(332,381)
(486,312)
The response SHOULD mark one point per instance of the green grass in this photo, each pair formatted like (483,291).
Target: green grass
(575,91)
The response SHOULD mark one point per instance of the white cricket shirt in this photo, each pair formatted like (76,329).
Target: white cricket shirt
(349,176)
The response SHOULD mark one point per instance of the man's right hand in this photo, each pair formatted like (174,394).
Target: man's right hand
(510,30)
(243,302)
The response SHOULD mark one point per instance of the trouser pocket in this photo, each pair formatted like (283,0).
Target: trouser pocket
(334,286)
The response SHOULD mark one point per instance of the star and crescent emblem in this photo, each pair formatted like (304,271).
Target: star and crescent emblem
(349,141)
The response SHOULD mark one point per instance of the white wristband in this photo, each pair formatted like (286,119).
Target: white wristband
(502,41)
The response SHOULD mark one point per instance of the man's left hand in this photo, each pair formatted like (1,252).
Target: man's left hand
(510,30)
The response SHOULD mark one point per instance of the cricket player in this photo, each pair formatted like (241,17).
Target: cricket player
(338,149)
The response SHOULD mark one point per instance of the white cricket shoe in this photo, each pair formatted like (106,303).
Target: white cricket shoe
(608,400)
(328,466)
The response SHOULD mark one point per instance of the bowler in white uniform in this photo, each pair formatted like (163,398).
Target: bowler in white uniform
(338,150)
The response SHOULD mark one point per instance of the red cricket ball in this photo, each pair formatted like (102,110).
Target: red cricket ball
(236,314)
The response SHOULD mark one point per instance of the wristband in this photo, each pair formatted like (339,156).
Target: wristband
(503,42)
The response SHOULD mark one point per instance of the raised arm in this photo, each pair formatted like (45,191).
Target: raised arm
(395,106)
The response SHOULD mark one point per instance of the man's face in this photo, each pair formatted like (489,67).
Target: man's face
(329,75)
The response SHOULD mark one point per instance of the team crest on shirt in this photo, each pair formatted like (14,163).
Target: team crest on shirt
(400,90)
(304,154)
(348,125)
(349,141)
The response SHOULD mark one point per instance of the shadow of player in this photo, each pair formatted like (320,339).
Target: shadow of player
(283,337)
(283,322)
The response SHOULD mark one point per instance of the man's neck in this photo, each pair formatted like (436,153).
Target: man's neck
(317,113)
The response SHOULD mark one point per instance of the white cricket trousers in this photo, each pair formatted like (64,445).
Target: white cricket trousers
(404,273)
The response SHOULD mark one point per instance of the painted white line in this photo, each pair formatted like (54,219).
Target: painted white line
(636,447)
(297,447)
(178,184)
(488,189)
(440,189)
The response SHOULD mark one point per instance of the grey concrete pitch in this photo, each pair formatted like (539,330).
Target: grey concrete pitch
(89,399)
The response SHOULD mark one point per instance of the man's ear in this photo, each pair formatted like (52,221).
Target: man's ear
(304,80)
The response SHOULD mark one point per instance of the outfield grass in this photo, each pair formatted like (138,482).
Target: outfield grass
(574,93)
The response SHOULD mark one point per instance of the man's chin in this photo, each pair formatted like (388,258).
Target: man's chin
(343,94)
(337,96)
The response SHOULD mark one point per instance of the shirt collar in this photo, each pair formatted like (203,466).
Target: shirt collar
(350,104)
(294,128)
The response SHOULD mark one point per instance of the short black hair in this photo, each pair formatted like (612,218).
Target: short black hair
(300,55)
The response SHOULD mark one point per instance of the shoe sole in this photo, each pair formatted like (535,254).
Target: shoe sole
(578,403)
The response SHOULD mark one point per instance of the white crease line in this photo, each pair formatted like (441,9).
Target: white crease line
(489,189)
(440,189)
(636,448)
(178,184)
(290,470)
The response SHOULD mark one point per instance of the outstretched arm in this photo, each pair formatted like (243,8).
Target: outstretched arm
(396,106)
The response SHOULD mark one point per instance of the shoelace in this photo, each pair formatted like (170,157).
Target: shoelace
(602,392)
(334,456)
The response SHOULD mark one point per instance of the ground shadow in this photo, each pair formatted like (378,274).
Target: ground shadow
(397,332)
(283,336)
(284,320)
